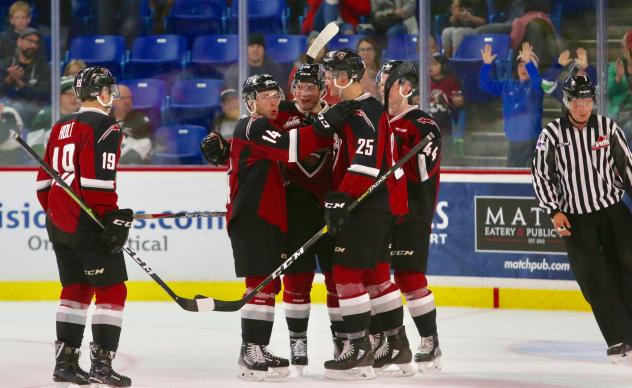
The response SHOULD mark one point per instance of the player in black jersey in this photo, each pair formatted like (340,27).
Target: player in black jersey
(411,235)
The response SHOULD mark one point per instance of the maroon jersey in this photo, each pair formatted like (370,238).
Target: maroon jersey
(314,172)
(254,174)
(422,172)
(366,150)
(84,149)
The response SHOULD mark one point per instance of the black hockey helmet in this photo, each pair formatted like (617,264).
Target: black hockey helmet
(344,60)
(578,87)
(387,68)
(400,73)
(90,81)
(310,72)
(259,83)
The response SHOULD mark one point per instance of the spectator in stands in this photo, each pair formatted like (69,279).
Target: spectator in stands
(522,103)
(552,82)
(370,53)
(119,17)
(535,27)
(620,86)
(347,12)
(447,106)
(394,17)
(258,63)
(301,60)
(225,122)
(159,11)
(512,8)
(465,16)
(136,126)
(10,153)
(19,19)
(25,77)
(39,130)
(73,67)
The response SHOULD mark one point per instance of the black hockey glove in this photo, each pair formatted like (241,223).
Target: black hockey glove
(329,122)
(215,148)
(117,225)
(336,211)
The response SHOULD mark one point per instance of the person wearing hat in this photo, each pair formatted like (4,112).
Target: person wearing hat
(25,77)
(522,103)
(258,63)
(225,122)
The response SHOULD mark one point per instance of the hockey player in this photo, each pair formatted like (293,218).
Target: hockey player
(363,150)
(84,149)
(411,235)
(307,182)
(257,217)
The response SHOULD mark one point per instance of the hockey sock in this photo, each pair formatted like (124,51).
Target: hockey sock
(420,301)
(355,304)
(257,316)
(297,302)
(333,307)
(72,313)
(386,300)
(107,319)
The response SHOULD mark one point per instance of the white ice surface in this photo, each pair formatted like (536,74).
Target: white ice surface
(163,346)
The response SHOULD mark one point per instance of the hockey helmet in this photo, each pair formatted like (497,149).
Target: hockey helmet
(578,87)
(90,81)
(345,60)
(387,68)
(400,73)
(259,83)
(311,73)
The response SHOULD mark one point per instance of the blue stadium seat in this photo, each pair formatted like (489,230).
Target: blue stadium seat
(148,96)
(102,50)
(191,18)
(341,41)
(285,49)
(402,47)
(212,54)
(194,101)
(467,62)
(264,16)
(179,144)
(156,55)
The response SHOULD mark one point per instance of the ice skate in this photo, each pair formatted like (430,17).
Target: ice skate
(252,364)
(338,342)
(298,349)
(355,361)
(428,358)
(67,368)
(393,355)
(277,366)
(620,353)
(101,372)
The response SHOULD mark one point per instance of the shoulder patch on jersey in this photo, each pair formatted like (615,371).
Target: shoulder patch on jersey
(426,120)
(112,128)
(541,145)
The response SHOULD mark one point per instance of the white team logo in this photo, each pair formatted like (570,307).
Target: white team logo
(292,122)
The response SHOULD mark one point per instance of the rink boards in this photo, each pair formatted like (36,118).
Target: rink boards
(491,246)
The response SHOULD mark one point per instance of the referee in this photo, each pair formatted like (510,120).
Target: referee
(581,169)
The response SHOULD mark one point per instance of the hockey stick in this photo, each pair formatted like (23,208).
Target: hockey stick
(321,41)
(200,303)
(221,305)
(152,216)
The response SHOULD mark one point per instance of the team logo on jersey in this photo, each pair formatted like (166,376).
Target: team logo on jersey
(292,122)
(425,120)
(602,142)
(112,128)
(402,130)
(541,145)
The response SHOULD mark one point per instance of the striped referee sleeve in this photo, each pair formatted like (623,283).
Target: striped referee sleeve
(544,173)
(622,157)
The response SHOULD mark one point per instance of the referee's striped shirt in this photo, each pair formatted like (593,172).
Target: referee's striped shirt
(580,171)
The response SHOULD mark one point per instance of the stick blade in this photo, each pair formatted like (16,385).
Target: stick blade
(321,40)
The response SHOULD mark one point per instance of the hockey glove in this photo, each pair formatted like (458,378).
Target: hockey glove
(215,148)
(336,211)
(329,122)
(117,225)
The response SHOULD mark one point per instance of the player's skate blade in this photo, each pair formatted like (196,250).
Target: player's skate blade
(396,370)
(357,373)
(251,375)
(430,367)
(620,354)
(277,373)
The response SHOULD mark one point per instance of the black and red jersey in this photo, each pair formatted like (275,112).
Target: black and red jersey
(84,149)
(365,150)
(257,149)
(422,171)
(314,172)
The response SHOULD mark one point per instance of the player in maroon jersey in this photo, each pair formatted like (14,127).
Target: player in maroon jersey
(364,148)
(411,235)
(84,149)
(257,215)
